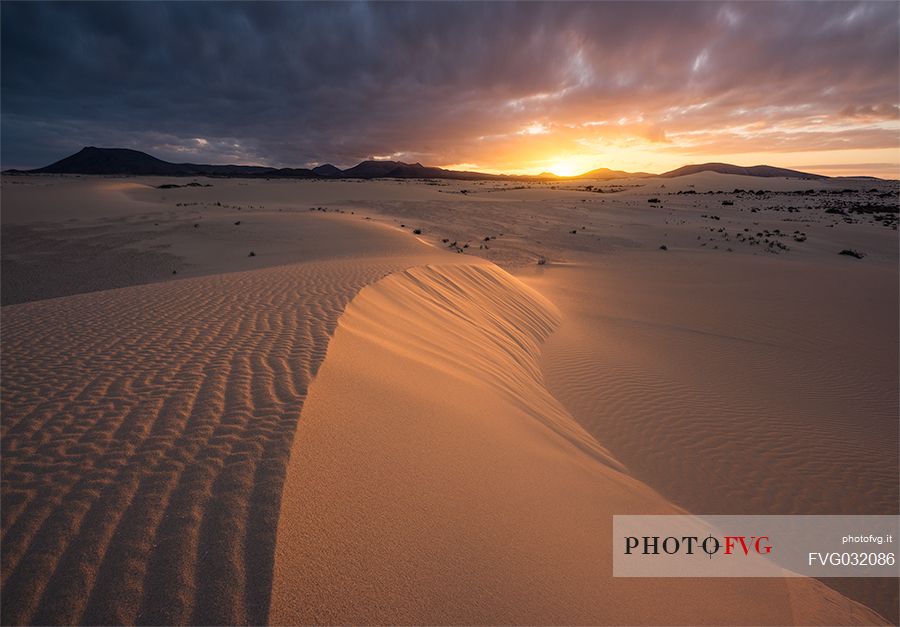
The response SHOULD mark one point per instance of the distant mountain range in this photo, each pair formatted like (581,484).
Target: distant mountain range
(756,170)
(123,161)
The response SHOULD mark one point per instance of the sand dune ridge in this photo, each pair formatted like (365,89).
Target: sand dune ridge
(145,434)
(491,328)
(435,480)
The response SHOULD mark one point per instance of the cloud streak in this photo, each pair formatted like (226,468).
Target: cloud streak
(295,84)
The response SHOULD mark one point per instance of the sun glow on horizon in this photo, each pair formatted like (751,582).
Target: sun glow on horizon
(571,164)
(517,159)
(569,151)
(565,168)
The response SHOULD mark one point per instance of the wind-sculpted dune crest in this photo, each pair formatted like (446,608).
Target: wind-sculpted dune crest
(435,480)
(145,437)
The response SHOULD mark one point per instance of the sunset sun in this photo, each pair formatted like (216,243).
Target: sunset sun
(564,168)
(571,165)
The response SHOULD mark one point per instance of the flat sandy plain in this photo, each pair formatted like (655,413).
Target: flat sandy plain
(423,401)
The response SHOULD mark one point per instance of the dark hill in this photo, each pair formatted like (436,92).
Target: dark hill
(326,169)
(371,169)
(419,171)
(93,160)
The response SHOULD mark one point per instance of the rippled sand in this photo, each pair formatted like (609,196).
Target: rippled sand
(145,435)
(360,424)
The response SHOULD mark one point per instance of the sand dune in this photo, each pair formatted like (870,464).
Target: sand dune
(771,385)
(434,479)
(145,435)
(469,434)
(73,236)
(676,384)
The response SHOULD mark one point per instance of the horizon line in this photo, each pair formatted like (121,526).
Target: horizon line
(475,168)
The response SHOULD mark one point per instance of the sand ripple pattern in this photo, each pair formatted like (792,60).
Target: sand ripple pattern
(145,437)
(769,420)
(682,411)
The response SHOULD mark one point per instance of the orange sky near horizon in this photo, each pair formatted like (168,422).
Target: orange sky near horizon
(505,87)
(571,149)
(832,163)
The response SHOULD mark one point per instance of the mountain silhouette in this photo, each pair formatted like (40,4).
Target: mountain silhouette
(727,168)
(92,160)
(326,169)
(124,161)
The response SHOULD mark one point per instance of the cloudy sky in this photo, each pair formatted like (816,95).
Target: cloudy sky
(490,86)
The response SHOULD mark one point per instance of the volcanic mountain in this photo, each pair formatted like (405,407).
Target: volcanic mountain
(326,169)
(727,168)
(91,160)
(124,161)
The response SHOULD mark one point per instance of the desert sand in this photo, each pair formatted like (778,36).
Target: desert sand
(361,423)
(441,483)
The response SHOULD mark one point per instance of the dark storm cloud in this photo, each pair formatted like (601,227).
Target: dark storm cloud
(289,84)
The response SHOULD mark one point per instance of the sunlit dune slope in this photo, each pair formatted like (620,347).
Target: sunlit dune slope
(434,479)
